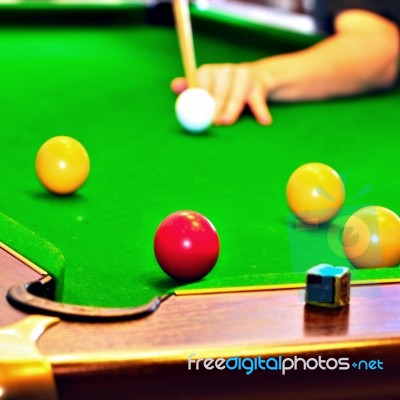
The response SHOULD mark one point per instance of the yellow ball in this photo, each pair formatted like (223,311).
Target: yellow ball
(315,193)
(371,238)
(62,165)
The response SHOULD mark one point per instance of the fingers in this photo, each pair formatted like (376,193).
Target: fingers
(178,85)
(221,92)
(205,76)
(244,89)
(258,105)
(232,86)
(235,97)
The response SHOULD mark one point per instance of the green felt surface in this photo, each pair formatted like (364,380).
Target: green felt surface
(108,86)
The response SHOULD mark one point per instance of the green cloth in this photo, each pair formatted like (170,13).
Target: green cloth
(108,87)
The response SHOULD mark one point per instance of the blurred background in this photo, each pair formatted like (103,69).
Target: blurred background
(289,5)
(287,14)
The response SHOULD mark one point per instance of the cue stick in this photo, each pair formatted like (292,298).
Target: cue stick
(185,38)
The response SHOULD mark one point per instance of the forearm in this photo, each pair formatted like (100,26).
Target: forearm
(357,59)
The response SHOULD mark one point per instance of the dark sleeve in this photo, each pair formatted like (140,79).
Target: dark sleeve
(324,11)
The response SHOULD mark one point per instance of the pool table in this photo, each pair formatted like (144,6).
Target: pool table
(120,326)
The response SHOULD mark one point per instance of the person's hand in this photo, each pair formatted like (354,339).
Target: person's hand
(233,86)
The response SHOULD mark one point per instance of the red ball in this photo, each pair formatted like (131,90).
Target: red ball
(186,245)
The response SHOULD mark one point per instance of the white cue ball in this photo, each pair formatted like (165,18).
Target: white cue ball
(195,109)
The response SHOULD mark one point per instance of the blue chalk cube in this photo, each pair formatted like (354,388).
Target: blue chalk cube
(328,286)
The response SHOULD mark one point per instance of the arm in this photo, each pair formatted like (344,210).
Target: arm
(361,56)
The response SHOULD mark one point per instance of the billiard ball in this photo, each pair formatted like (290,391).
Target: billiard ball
(315,193)
(371,238)
(186,246)
(195,110)
(62,165)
